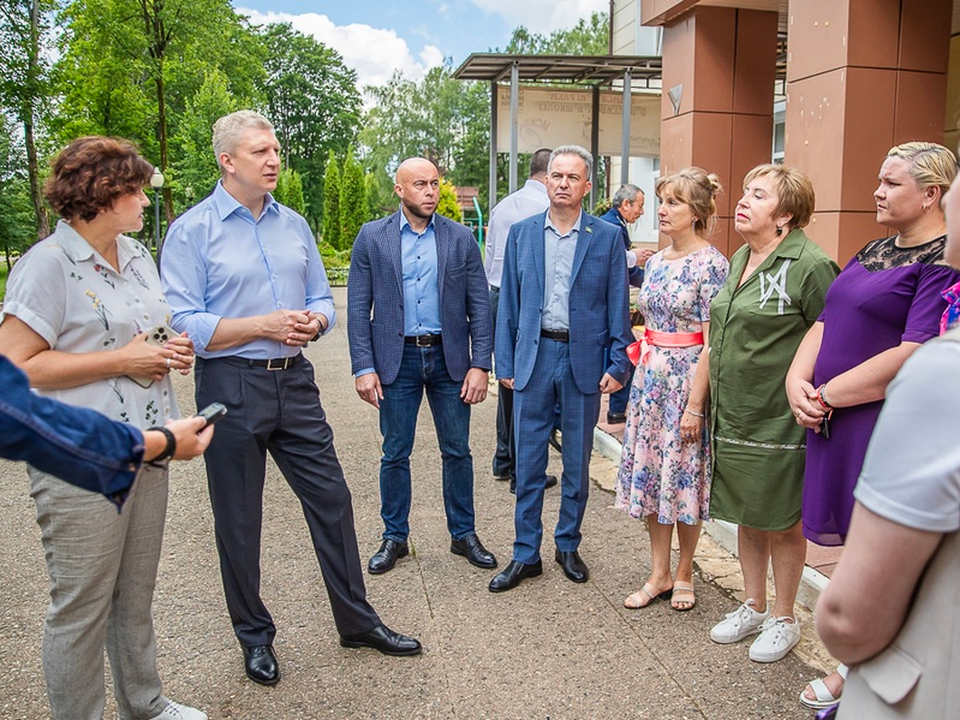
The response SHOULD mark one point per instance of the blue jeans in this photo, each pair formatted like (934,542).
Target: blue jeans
(424,368)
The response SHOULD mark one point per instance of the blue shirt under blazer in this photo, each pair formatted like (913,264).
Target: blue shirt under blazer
(599,304)
(375,301)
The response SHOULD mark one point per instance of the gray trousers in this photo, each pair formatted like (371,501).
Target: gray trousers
(103,570)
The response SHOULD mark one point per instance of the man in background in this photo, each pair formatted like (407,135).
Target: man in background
(627,208)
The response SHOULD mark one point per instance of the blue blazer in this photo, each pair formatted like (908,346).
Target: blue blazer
(375,299)
(599,303)
(613,216)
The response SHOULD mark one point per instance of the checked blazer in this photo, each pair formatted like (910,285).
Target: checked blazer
(375,299)
(599,303)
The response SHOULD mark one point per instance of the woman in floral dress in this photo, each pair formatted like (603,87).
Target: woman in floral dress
(664,468)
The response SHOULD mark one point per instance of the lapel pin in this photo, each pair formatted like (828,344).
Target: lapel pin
(589,229)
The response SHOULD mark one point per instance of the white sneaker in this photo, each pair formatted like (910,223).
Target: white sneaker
(777,637)
(739,624)
(176,711)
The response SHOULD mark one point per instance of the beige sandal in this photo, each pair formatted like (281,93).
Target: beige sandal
(682,591)
(644,596)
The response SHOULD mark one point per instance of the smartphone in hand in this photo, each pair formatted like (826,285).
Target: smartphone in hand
(212,412)
(158,336)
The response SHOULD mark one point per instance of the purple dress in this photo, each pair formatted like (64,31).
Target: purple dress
(884,296)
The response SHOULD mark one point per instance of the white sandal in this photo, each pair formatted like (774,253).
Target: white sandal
(824,698)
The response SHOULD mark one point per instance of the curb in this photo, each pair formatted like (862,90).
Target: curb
(812,583)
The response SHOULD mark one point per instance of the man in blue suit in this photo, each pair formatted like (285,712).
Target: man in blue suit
(419,319)
(626,208)
(563,301)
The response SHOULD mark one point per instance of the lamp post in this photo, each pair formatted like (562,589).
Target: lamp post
(156,182)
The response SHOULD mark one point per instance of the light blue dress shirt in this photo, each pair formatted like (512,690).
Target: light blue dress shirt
(558,252)
(220,262)
(421,288)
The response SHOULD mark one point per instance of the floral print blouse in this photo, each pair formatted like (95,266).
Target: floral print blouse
(70,296)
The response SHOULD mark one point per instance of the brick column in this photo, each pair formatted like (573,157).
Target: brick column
(725,61)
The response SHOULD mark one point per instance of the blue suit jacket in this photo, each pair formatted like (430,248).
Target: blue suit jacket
(613,216)
(375,299)
(599,304)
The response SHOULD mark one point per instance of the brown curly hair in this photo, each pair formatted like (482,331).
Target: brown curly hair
(91,173)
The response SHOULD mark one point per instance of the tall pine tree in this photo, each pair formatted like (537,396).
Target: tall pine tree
(330,231)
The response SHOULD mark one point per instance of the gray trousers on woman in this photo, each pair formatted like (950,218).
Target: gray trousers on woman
(103,569)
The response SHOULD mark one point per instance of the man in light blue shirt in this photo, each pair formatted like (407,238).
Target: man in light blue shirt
(419,320)
(243,277)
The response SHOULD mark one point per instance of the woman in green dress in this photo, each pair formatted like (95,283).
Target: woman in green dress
(773,294)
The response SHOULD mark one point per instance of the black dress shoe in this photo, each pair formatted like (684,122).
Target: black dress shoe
(555,441)
(383,639)
(615,418)
(511,576)
(261,664)
(474,551)
(386,557)
(573,566)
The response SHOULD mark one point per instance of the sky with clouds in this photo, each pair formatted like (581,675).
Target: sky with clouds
(377,37)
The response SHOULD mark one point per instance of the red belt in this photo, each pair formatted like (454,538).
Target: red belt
(639,352)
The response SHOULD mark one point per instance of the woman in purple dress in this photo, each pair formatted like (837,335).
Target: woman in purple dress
(885,303)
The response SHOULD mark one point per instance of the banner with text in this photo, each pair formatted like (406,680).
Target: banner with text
(549,118)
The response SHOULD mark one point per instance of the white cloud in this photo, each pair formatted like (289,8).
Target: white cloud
(375,53)
(543,16)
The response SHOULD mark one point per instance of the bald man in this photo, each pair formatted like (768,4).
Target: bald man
(419,319)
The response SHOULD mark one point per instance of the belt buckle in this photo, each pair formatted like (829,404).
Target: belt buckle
(278,363)
(424,341)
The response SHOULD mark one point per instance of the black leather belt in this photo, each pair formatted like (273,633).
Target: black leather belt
(282,363)
(423,340)
(559,335)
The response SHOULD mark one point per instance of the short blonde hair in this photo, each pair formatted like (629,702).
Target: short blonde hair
(693,186)
(930,164)
(794,191)
(228,130)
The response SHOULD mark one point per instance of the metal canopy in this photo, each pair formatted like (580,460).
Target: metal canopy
(594,71)
(561,69)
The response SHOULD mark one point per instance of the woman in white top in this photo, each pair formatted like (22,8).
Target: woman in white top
(77,309)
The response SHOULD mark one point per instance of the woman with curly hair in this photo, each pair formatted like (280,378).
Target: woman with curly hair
(77,309)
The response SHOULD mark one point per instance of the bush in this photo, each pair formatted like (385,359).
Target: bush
(448,205)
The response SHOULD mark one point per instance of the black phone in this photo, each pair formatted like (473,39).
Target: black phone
(825,427)
(213,412)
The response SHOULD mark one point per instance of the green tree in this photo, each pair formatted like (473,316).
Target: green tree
(330,233)
(447,204)
(313,102)
(26,44)
(195,170)
(129,68)
(587,37)
(440,118)
(353,200)
(18,228)
(290,190)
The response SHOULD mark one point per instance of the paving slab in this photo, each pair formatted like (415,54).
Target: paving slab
(549,649)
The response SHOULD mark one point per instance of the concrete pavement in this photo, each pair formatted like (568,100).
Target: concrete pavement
(549,649)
